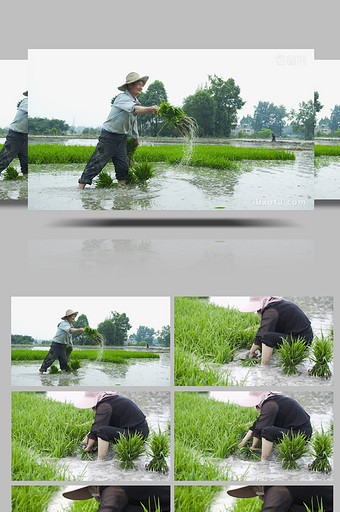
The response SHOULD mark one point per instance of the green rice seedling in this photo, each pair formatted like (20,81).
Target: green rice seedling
(247,453)
(321,449)
(104,180)
(319,506)
(159,444)
(142,172)
(94,336)
(11,174)
(130,149)
(191,466)
(292,354)
(152,507)
(128,448)
(83,506)
(291,448)
(198,498)
(246,505)
(26,498)
(251,361)
(175,116)
(87,455)
(322,355)
(53,369)
(320,150)
(109,356)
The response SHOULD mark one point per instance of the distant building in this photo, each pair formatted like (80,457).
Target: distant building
(245,128)
(323,128)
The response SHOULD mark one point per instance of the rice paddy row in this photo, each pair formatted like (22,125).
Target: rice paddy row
(321,150)
(108,356)
(211,156)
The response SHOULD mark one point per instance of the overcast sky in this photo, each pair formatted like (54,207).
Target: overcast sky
(77,85)
(39,316)
(14,81)
(326,82)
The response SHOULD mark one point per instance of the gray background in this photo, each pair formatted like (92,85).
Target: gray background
(213,253)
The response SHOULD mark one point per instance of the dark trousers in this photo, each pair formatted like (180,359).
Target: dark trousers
(108,433)
(16,144)
(275,433)
(57,351)
(111,146)
(274,339)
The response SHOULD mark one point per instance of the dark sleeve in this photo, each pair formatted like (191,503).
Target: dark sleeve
(267,417)
(112,499)
(268,324)
(277,499)
(102,418)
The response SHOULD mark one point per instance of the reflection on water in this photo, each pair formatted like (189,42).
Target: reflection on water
(137,372)
(255,186)
(319,405)
(14,190)
(327,178)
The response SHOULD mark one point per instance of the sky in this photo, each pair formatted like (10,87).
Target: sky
(326,82)
(39,316)
(14,81)
(77,85)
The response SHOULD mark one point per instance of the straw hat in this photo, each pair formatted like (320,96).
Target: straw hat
(246,491)
(82,493)
(131,78)
(258,303)
(255,398)
(25,93)
(91,398)
(69,312)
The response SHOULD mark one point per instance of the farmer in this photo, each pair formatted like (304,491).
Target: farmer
(280,319)
(122,119)
(289,498)
(273,137)
(114,415)
(278,415)
(125,498)
(16,143)
(61,340)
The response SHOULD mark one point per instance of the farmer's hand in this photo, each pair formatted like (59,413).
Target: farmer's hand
(154,109)
(85,440)
(136,142)
(242,443)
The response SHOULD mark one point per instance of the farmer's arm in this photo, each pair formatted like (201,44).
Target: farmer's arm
(277,499)
(246,438)
(113,499)
(267,417)
(72,330)
(146,110)
(102,418)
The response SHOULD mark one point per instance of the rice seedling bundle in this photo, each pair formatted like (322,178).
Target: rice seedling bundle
(11,174)
(322,355)
(291,448)
(130,149)
(175,116)
(104,180)
(320,150)
(159,444)
(196,498)
(292,354)
(94,336)
(128,448)
(141,172)
(321,449)
(247,453)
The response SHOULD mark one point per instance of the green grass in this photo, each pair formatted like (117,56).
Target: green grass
(292,354)
(109,356)
(246,505)
(321,150)
(208,428)
(322,355)
(195,498)
(32,498)
(83,506)
(291,448)
(321,450)
(46,428)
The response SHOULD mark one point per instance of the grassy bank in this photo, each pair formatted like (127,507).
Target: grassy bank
(32,498)
(209,429)
(320,150)
(108,356)
(197,498)
(217,157)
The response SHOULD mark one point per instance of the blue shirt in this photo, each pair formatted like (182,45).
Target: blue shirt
(20,122)
(63,334)
(122,118)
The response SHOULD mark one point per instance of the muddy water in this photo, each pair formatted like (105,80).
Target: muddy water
(319,405)
(14,190)
(320,312)
(257,186)
(138,372)
(327,178)
(157,409)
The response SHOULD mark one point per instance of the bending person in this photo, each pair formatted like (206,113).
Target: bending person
(61,340)
(280,319)
(125,498)
(122,120)
(16,143)
(114,415)
(289,498)
(278,415)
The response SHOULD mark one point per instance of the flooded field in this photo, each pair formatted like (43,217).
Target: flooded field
(14,190)
(255,186)
(147,372)
(327,178)
(319,405)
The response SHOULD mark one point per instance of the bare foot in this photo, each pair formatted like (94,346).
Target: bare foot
(81,185)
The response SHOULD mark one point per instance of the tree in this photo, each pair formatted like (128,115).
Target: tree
(145,334)
(247,120)
(115,328)
(335,118)
(304,121)
(80,338)
(44,126)
(202,107)
(270,116)
(228,101)
(163,336)
(153,96)
(21,339)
